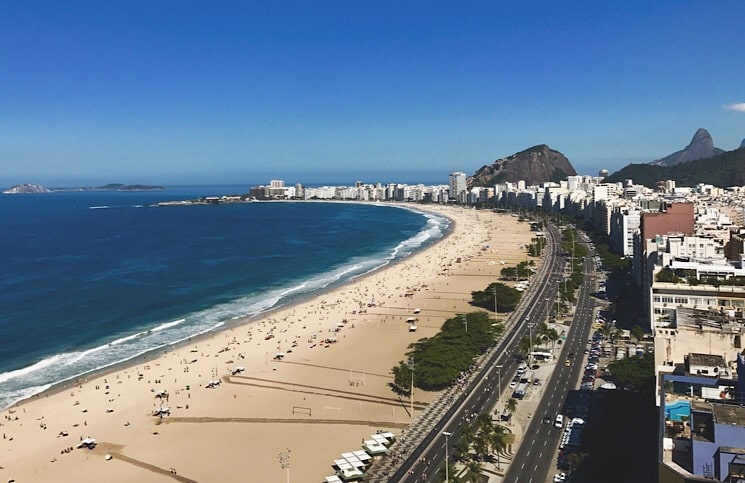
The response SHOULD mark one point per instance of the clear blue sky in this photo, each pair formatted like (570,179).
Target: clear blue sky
(241,92)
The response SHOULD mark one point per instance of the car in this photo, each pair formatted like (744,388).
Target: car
(559,421)
(567,362)
(536,382)
(571,355)
(513,384)
(546,419)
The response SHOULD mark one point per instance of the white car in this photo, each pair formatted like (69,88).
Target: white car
(559,477)
(559,421)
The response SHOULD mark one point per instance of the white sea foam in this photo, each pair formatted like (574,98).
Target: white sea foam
(168,325)
(25,382)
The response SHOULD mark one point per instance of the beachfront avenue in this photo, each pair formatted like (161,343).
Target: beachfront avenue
(425,458)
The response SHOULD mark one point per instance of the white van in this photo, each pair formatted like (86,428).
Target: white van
(559,422)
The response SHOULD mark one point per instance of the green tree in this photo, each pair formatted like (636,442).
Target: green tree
(461,449)
(484,423)
(510,405)
(481,445)
(498,443)
(637,333)
(441,359)
(507,297)
(473,471)
(634,373)
(525,345)
(553,336)
(451,473)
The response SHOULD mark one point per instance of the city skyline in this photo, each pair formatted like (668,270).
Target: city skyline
(172,94)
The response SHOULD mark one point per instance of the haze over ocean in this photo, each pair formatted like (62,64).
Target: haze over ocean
(94,278)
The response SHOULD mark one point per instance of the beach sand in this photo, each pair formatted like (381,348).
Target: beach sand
(319,400)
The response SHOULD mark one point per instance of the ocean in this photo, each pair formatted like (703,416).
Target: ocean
(91,279)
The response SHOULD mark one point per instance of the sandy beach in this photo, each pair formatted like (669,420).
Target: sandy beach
(327,393)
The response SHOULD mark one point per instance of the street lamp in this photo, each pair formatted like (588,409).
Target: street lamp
(284,461)
(495,300)
(465,320)
(411,393)
(499,383)
(447,460)
(530,339)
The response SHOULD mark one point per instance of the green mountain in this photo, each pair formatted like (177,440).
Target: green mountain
(535,165)
(723,170)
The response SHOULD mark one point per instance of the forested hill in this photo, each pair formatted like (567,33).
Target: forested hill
(723,170)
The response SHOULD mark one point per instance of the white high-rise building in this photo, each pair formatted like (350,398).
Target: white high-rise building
(457,184)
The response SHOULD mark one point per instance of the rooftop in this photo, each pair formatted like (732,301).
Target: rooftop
(729,414)
(710,360)
(704,320)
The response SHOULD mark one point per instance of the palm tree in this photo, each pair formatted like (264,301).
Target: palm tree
(497,441)
(481,445)
(451,474)
(606,330)
(485,423)
(525,345)
(473,471)
(637,333)
(467,435)
(461,448)
(510,405)
(553,336)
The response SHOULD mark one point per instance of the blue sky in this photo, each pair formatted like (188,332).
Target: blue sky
(241,92)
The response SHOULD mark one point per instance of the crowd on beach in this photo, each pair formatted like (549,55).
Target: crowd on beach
(344,380)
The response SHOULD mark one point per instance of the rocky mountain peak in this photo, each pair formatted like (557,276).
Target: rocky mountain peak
(535,165)
(700,147)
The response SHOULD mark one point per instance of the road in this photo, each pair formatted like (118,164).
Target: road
(535,457)
(423,461)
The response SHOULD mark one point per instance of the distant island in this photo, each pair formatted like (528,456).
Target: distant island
(27,188)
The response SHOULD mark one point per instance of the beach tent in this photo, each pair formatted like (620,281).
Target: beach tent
(353,460)
(374,448)
(350,474)
(417,310)
(381,439)
(387,435)
(343,464)
(363,456)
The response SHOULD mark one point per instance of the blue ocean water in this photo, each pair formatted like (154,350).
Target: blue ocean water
(90,279)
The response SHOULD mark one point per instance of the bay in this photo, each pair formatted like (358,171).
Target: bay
(90,279)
